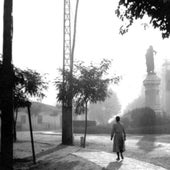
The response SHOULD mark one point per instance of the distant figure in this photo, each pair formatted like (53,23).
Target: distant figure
(150,59)
(119,135)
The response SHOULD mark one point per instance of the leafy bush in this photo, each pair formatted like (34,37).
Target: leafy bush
(101,129)
(142,117)
(106,129)
(162,129)
(81,123)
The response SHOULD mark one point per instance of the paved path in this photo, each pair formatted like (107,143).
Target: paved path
(76,158)
(107,161)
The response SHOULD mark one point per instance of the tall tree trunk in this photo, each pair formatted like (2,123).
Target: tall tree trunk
(15,123)
(67,129)
(75,30)
(85,129)
(7,78)
(67,132)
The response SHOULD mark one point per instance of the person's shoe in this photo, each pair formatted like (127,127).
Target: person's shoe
(122,157)
(117,159)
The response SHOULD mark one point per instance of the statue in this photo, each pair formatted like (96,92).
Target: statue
(150,59)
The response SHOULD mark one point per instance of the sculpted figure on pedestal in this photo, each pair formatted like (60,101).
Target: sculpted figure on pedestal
(150,59)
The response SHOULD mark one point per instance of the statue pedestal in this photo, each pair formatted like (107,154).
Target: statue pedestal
(152,96)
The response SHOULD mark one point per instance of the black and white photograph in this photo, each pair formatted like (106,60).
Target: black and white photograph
(84,85)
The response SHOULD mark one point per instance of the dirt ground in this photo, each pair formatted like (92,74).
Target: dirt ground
(153,149)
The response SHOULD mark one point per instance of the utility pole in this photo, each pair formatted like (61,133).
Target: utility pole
(67,130)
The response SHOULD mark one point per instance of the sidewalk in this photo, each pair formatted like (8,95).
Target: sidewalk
(76,158)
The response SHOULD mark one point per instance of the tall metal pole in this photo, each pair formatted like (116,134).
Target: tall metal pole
(67,132)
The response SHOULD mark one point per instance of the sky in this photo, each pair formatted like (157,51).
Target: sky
(38,42)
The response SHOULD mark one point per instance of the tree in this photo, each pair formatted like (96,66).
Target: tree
(158,11)
(6,89)
(28,83)
(67,132)
(103,111)
(65,96)
(89,86)
(75,29)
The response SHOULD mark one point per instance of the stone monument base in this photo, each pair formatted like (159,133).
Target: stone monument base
(152,92)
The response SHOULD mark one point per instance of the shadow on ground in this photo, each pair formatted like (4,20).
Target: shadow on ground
(147,143)
(69,162)
(113,166)
(63,165)
(27,162)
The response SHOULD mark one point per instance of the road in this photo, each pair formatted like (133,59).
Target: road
(153,149)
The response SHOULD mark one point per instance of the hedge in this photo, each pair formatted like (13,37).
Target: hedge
(106,129)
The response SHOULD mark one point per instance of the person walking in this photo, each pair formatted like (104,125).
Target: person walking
(119,136)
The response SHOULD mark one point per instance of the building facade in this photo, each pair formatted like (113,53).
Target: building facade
(42,121)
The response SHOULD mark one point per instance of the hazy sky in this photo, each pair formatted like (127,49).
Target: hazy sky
(38,41)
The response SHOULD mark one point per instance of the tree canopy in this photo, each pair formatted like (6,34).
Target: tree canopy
(157,10)
(103,111)
(28,83)
(90,83)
